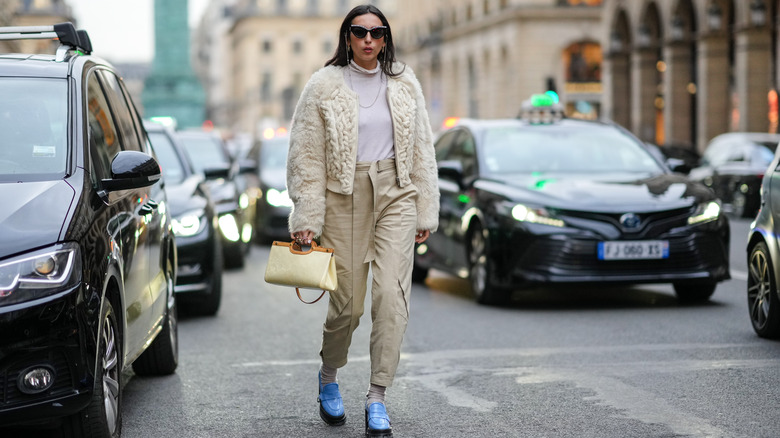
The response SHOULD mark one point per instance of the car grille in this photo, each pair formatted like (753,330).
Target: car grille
(578,257)
(650,224)
(10,395)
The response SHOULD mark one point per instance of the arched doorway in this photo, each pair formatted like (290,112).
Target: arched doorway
(680,77)
(648,69)
(620,69)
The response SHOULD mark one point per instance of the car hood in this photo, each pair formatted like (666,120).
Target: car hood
(184,196)
(33,214)
(605,192)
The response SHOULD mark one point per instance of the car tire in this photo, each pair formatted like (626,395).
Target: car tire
(480,267)
(694,292)
(162,357)
(419,273)
(103,416)
(212,300)
(234,255)
(762,295)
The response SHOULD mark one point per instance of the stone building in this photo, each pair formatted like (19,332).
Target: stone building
(482,58)
(273,48)
(684,71)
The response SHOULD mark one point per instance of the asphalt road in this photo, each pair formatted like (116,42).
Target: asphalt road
(601,362)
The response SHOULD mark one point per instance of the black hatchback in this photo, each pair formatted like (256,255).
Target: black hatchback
(88,259)
(546,199)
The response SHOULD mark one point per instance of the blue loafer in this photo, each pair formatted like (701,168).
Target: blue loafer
(377,421)
(331,405)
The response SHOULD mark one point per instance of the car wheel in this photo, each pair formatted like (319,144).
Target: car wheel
(213,299)
(480,265)
(694,292)
(234,255)
(763,303)
(162,357)
(103,416)
(419,273)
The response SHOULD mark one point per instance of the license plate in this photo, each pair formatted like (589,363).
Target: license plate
(634,250)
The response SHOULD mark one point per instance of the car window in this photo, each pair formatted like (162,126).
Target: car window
(464,150)
(33,127)
(444,144)
(557,148)
(103,136)
(273,153)
(121,112)
(204,152)
(172,168)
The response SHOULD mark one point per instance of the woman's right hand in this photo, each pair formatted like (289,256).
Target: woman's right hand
(303,237)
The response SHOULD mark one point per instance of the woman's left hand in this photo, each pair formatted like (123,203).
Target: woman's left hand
(421,236)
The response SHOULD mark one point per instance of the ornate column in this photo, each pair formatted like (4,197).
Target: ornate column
(619,73)
(713,88)
(677,96)
(753,78)
(643,88)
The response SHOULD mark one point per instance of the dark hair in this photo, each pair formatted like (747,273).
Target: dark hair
(385,59)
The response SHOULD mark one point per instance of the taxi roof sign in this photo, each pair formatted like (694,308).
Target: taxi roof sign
(541,109)
(540,100)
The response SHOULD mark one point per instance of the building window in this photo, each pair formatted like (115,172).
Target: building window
(281,7)
(311,7)
(265,87)
(268,46)
(486,7)
(297,46)
(327,47)
(343,6)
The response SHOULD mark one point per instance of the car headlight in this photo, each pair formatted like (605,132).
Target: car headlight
(534,215)
(39,274)
(277,198)
(705,212)
(189,224)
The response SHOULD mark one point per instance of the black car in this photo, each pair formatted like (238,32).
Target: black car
(194,223)
(763,293)
(88,259)
(733,165)
(545,199)
(229,189)
(274,205)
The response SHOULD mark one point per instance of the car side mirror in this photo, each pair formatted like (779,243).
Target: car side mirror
(678,165)
(247,165)
(216,172)
(451,170)
(132,170)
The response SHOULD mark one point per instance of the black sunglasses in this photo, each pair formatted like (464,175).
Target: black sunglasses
(360,31)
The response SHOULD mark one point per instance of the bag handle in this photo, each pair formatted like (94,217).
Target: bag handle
(297,248)
(298,291)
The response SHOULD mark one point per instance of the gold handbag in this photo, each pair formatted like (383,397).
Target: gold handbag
(289,265)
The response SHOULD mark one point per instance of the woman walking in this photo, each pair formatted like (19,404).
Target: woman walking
(362,176)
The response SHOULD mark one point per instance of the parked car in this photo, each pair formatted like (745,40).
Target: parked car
(229,189)
(763,293)
(546,199)
(733,165)
(274,205)
(88,259)
(194,223)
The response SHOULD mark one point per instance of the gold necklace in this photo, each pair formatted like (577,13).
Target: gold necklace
(378,91)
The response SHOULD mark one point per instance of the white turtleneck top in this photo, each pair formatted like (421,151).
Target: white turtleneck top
(375,127)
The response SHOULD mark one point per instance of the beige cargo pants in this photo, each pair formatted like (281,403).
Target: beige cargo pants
(373,227)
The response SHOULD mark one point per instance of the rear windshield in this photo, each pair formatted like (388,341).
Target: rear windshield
(204,152)
(33,128)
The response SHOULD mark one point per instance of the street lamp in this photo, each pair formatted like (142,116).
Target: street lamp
(715,16)
(758,13)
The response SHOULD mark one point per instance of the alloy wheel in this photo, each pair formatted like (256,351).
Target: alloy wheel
(759,288)
(478,262)
(111,375)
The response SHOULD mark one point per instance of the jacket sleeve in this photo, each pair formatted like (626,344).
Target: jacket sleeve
(306,166)
(424,174)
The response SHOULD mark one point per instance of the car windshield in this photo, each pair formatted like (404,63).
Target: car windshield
(204,152)
(172,167)
(273,154)
(569,149)
(33,128)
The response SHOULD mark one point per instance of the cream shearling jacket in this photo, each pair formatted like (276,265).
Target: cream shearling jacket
(324,143)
